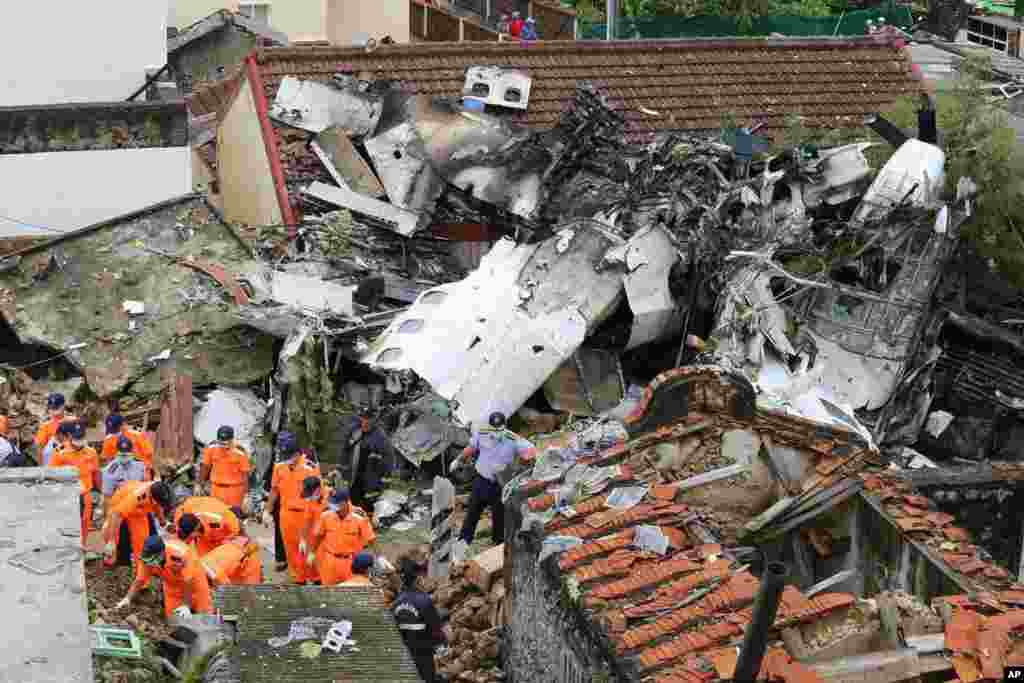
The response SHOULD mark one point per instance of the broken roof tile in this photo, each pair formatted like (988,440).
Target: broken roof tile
(650,574)
(939,519)
(971,567)
(664,492)
(581,553)
(673,593)
(996,572)
(955,533)
(962,631)
(916,512)
(687,643)
(616,564)
(966,667)
(917,501)
(993,644)
(912,524)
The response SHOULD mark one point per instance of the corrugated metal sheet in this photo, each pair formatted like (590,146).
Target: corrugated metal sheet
(267,611)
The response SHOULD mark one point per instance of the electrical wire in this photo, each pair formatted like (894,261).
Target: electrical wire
(31,225)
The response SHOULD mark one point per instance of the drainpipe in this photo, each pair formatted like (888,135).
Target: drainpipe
(748,665)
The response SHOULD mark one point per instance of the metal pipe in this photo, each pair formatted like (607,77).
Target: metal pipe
(773,580)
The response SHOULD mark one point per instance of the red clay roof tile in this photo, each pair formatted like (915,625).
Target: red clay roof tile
(971,567)
(962,631)
(582,553)
(939,519)
(993,645)
(687,643)
(664,492)
(966,668)
(917,501)
(955,533)
(650,574)
(673,593)
(995,572)
(912,524)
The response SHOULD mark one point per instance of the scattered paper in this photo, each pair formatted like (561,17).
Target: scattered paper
(134,307)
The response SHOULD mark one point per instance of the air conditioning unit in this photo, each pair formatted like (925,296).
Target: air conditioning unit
(497,86)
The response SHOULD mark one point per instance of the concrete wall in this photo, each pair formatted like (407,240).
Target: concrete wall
(86,52)
(348,19)
(299,19)
(65,191)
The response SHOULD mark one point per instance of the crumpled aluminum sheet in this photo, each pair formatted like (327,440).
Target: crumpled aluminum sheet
(650,538)
(557,544)
(553,463)
(626,497)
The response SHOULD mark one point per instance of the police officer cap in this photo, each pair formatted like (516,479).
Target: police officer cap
(310,485)
(114,423)
(124,444)
(153,547)
(497,420)
(339,496)
(77,430)
(161,493)
(54,401)
(362,562)
(225,433)
(187,524)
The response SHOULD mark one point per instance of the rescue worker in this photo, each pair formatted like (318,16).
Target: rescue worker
(370,458)
(46,436)
(235,562)
(341,532)
(497,448)
(10,454)
(186,586)
(418,621)
(361,565)
(75,452)
(226,466)
(206,522)
(315,494)
(123,467)
(290,471)
(138,505)
(141,446)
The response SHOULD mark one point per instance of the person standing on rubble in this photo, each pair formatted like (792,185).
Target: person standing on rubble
(315,494)
(226,466)
(496,447)
(138,505)
(206,522)
(75,452)
(46,437)
(234,563)
(10,454)
(338,536)
(370,459)
(124,467)
(117,428)
(286,490)
(418,620)
(186,586)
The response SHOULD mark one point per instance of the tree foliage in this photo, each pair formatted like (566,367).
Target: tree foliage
(591,11)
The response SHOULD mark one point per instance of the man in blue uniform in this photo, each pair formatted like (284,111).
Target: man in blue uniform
(418,621)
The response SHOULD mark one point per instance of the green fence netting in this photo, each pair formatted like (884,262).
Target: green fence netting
(848,24)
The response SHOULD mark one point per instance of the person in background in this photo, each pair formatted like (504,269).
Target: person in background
(361,565)
(315,494)
(235,562)
(226,466)
(280,555)
(418,620)
(124,467)
(137,505)
(286,490)
(529,31)
(75,452)
(370,459)
(207,522)
(10,454)
(186,586)
(515,28)
(46,436)
(143,449)
(341,532)
(497,448)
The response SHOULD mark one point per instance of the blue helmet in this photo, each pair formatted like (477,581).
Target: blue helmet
(65,428)
(153,547)
(225,433)
(124,444)
(114,423)
(55,401)
(287,444)
(340,495)
(362,562)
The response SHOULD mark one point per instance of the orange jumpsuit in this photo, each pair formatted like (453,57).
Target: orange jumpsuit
(236,562)
(229,472)
(286,481)
(181,570)
(48,430)
(134,505)
(217,523)
(88,465)
(313,510)
(337,540)
(141,447)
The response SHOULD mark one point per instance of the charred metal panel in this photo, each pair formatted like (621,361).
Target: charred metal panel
(316,107)
(497,86)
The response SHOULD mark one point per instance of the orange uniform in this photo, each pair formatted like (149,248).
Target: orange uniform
(337,540)
(217,523)
(141,447)
(180,572)
(133,504)
(313,510)
(87,463)
(46,432)
(229,472)
(236,562)
(286,482)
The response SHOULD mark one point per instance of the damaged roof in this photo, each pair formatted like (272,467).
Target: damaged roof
(664,614)
(659,85)
(217,21)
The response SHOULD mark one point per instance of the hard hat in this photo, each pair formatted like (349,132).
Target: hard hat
(153,548)
(114,422)
(339,496)
(187,524)
(497,420)
(362,562)
(124,444)
(225,433)
(55,401)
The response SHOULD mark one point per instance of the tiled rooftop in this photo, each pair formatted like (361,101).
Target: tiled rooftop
(665,615)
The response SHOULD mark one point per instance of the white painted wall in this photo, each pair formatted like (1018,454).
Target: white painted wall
(298,19)
(73,51)
(348,20)
(66,191)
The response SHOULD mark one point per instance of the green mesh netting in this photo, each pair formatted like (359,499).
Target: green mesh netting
(848,24)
